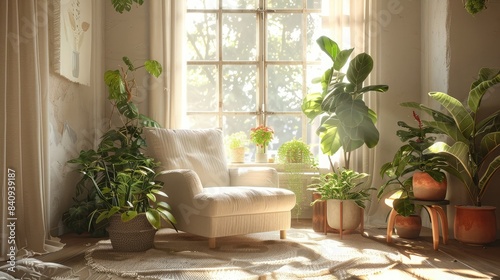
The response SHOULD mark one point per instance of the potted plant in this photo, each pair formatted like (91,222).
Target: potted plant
(295,156)
(121,177)
(345,120)
(410,166)
(472,157)
(261,136)
(295,151)
(236,144)
(474,6)
(405,173)
(346,186)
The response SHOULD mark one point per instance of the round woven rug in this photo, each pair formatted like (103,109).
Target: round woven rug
(303,255)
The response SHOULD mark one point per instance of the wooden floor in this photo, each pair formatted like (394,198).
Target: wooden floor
(485,259)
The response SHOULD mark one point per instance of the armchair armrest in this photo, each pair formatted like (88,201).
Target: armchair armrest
(181,185)
(254,176)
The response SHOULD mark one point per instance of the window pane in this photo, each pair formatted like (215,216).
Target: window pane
(314,31)
(284,35)
(314,4)
(313,72)
(202,4)
(284,88)
(201,31)
(239,4)
(239,87)
(284,4)
(202,88)
(285,129)
(201,121)
(239,41)
(234,124)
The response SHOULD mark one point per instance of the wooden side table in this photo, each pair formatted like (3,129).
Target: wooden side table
(433,207)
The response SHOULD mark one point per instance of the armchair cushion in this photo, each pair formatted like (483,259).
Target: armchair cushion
(200,150)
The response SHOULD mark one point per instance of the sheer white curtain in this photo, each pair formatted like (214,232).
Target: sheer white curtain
(167,46)
(24,82)
(351,25)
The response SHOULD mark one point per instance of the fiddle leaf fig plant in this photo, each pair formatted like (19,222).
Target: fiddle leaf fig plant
(346,121)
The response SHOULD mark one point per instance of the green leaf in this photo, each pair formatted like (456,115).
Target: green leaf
(461,116)
(311,105)
(328,46)
(128,109)
(116,86)
(359,69)
(128,215)
(154,218)
(487,78)
(153,67)
(125,5)
(342,58)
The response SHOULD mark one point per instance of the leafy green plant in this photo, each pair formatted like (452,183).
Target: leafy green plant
(346,121)
(473,156)
(407,159)
(474,6)
(122,178)
(261,136)
(295,151)
(236,140)
(125,5)
(342,184)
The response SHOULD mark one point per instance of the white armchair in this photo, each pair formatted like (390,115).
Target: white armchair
(208,198)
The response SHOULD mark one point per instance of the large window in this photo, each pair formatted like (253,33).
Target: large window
(251,62)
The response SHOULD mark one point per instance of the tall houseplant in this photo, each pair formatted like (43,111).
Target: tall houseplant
(345,120)
(118,176)
(473,155)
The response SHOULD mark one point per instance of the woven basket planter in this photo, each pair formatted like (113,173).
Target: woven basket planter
(133,236)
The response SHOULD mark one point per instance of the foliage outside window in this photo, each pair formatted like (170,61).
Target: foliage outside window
(250,63)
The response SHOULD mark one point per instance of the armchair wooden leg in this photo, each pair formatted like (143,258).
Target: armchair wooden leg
(211,243)
(283,234)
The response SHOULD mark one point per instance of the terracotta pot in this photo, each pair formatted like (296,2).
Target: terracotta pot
(426,188)
(133,236)
(475,225)
(408,227)
(351,214)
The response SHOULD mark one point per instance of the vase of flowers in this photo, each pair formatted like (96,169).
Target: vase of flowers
(261,136)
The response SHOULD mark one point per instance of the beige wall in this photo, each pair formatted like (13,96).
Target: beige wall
(76,122)
(414,59)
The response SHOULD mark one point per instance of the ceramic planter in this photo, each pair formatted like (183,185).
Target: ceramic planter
(426,188)
(238,155)
(475,225)
(408,227)
(351,217)
(133,236)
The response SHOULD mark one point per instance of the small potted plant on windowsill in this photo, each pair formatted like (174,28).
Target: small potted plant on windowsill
(261,136)
(237,143)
